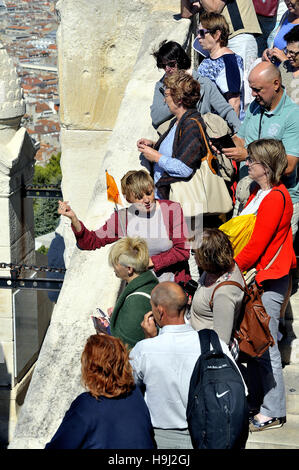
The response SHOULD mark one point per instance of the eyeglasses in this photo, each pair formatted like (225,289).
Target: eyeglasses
(171,64)
(250,161)
(202,32)
(291,53)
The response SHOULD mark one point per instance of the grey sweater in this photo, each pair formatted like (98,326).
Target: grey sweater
(211,101)
(226,305)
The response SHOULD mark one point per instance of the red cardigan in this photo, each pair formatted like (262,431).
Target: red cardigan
(272,228)
(174,260)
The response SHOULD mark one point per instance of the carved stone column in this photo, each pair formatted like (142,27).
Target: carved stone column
(16,242)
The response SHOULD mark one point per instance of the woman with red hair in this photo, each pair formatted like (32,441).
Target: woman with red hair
(112,414)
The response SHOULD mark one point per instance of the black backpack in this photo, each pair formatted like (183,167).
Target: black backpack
(217,411)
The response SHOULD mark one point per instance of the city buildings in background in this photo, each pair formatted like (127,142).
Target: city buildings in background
(28,31)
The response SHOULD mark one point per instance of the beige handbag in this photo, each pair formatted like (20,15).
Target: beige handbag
(206,192)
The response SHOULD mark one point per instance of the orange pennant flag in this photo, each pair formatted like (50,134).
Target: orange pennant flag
(112,190)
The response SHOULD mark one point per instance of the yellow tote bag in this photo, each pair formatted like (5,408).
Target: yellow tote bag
(239,230)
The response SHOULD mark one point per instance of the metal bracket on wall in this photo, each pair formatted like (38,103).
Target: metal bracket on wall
(42,191)
(16,281)
(36,283)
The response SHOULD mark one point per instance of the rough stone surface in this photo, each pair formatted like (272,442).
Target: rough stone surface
(82,156)
(101,58)
(16,231)
(89,282)
(12,103)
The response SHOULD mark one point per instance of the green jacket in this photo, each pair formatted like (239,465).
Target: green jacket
(128,312)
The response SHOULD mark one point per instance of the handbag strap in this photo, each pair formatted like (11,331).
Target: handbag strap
(230,283)
(209,156)
(260,123)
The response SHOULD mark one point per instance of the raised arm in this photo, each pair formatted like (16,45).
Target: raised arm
(92,240)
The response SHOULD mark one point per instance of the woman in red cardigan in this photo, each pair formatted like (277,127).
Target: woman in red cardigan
(270,251)
(160,222)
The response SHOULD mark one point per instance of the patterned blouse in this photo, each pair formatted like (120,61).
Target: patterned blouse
(227,72)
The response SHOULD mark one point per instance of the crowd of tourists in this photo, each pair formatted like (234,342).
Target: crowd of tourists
(212,211)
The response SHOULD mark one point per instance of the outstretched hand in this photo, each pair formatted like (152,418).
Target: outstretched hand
(65,209)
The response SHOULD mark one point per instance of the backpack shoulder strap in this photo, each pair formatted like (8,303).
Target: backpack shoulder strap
(204,339)
(230,283)
(207,337)
(140,293)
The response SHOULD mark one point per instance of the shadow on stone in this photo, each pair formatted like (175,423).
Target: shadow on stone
(56,260)
(5,391)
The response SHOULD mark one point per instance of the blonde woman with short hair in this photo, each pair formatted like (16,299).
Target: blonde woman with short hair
(129,258)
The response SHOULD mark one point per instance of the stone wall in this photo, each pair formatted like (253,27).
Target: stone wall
(17,351)
(104,60)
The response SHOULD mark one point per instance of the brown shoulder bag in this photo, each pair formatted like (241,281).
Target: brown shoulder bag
(252,330)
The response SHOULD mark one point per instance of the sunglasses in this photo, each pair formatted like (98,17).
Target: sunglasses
(202,32)
(171,64)
(163,90)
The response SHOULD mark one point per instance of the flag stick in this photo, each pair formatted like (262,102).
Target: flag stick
(119,219)
(113,195)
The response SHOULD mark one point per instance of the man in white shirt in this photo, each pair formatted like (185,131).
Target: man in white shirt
(164,363)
